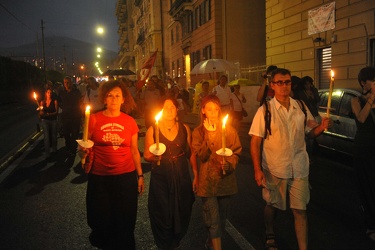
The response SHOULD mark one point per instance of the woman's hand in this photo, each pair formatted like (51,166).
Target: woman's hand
(195,184)
(141,185)
(208,125)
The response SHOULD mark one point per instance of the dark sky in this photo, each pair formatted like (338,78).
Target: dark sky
(20,21)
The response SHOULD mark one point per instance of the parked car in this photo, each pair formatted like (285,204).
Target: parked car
(341,136)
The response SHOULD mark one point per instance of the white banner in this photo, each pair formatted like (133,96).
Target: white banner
(321,19)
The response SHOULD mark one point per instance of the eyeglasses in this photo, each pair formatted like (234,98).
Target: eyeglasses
(280,83)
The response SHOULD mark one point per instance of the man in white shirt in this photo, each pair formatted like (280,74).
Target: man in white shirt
(222,91)
(282,166)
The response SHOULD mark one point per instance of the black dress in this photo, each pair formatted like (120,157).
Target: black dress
(364,162)
(171,196)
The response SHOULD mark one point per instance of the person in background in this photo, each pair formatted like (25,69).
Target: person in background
(48,116)
(115,176)
(280,160)
(309,95)
(216,178)
(152,102)
(171,194)
(222,91)
(363,108)
(92,96)
(182,106)
(265,93)
(237,114)
(205,92)
(71,115)
(133,92)
(296,87)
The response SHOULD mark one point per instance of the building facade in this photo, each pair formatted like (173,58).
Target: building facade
(186,32)
(311,37)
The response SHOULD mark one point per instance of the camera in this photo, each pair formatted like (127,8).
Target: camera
(265,76)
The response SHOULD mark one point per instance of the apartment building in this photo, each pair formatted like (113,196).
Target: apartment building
(311,37)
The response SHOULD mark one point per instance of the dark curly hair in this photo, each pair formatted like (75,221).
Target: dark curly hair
(106,87)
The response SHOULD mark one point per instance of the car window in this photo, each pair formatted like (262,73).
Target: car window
(346,106)
(335,102)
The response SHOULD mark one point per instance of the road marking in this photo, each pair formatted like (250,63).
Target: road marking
(237,237)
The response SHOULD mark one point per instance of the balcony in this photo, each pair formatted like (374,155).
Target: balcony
(180,8)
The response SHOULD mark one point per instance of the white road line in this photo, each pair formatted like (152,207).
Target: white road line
(237,237)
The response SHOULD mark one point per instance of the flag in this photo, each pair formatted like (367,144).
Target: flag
(146,69)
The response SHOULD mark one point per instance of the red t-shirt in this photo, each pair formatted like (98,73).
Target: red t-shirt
(112,143)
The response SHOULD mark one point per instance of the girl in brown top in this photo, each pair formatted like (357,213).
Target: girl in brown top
(216,178)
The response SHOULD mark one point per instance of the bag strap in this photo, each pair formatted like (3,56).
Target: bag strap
(238,100)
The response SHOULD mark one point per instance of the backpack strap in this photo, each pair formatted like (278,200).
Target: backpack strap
(267,118)
(303,108)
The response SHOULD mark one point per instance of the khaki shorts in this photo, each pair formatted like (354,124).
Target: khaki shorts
(276,189)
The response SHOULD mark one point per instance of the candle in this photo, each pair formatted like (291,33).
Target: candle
(330,93)
(223,133)
(86,125)
(157,117)
(36,100)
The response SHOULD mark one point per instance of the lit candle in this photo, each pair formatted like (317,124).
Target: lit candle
(36,100)
(331,83)
(157,117)
(86,125)
(223,133)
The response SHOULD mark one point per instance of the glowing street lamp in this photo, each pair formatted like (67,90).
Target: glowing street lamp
(100,30)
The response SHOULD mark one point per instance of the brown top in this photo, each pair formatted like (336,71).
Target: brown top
(212,181)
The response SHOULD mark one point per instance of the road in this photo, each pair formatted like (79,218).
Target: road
(42,206)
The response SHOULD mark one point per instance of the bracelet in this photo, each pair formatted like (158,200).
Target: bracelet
(140,176)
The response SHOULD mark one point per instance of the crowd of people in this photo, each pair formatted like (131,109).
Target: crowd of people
(190,165)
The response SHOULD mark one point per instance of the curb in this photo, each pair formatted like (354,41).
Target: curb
(8,160)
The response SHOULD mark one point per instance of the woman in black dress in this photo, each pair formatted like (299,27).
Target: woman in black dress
(364,142)
(171,193)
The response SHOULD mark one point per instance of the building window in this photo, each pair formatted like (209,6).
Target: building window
(207,4)
(172,37)
(196,18)
(206,53)
(177,33)
(372,52)
(324,66)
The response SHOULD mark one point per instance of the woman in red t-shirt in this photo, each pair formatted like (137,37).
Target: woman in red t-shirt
(115,178)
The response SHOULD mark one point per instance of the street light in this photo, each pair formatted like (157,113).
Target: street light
(100,30)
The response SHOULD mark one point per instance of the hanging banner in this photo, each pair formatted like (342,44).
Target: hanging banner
(146,69)
(321,19)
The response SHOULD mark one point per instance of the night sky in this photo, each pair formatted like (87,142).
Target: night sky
(20,21)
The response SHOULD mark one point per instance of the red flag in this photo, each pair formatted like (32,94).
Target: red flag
(146,69)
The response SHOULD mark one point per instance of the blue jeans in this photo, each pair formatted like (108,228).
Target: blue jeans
(50,135)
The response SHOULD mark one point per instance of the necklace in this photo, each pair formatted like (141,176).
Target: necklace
(169,129)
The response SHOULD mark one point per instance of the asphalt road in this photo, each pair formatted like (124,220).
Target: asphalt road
(42,206)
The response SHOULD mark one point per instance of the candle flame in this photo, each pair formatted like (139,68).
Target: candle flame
(87,108)
(332,73)
(158,116)
(34,96)
(225,120)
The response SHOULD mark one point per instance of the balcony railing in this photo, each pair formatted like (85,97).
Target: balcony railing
(180,5)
